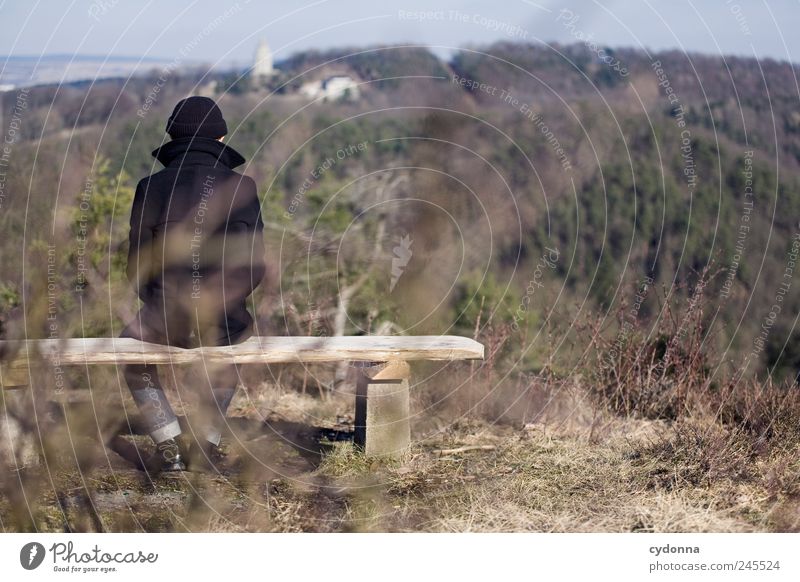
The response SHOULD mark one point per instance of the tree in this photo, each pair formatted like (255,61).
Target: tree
(99,224)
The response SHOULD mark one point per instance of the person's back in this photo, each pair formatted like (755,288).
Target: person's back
(196,253)
(196,248)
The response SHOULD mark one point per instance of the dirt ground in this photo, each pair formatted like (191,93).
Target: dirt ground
(291,466)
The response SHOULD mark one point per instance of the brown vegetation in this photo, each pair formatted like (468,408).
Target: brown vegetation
(594,410)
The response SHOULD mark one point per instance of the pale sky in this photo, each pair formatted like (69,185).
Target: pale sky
(205,32)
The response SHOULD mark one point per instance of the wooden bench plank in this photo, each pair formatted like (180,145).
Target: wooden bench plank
(258,349)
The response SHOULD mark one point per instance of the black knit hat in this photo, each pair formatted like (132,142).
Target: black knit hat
(196,116)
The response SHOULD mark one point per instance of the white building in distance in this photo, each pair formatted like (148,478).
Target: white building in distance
(331,88)
(262,63)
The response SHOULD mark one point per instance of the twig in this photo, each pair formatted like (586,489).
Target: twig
(464,449)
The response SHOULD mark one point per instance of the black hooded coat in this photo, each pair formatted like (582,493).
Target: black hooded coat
(196,246)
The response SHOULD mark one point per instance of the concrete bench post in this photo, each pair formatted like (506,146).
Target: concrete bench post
(382,426)
(13,377)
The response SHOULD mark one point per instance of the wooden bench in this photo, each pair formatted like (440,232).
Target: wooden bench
(382,390)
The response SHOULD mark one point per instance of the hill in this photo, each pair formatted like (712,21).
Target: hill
(619,229)
(683,163)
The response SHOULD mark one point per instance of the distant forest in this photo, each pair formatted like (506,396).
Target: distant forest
(527,190)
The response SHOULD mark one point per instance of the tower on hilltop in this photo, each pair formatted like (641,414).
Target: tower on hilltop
(262,63)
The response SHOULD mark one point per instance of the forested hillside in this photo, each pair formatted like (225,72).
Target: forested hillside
(526,190)
(620,231)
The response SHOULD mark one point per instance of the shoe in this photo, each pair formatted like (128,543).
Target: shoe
(205,456)
(166,459)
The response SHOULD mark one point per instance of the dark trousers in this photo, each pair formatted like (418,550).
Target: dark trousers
(216,383)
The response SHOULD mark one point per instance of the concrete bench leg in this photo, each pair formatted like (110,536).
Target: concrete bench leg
(13,377)
(382,409)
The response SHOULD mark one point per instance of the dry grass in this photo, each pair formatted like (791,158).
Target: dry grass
(607,474)
(648,440)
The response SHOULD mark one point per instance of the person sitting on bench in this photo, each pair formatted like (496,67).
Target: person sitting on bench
(196,253)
